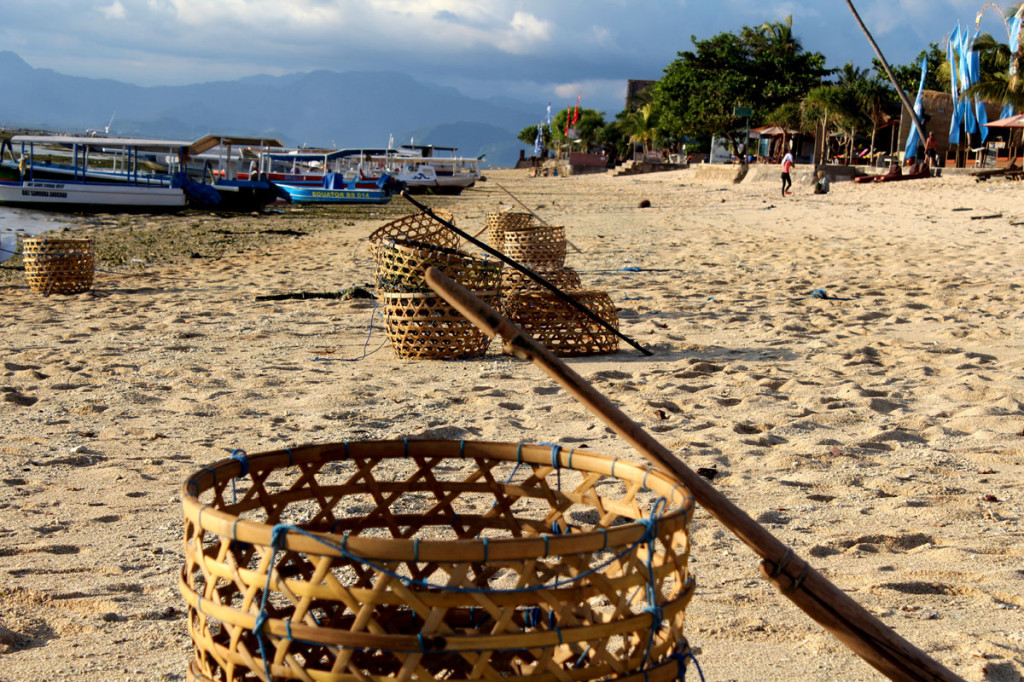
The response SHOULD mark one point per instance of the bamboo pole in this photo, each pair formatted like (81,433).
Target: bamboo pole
(892,79)
(853,625)
(529,273)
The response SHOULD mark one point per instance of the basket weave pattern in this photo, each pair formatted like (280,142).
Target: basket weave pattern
(514,282)
(400,267)
(498,222)
(57,265)
(538,245)
(425,327)
(418,227)
(422,560)
(563,329)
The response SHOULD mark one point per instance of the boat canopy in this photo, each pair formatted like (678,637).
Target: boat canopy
(101,142)
(208,142)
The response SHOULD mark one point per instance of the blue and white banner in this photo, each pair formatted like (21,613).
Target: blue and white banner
(913,139)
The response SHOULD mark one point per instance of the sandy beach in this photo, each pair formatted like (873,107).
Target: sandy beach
(878,431)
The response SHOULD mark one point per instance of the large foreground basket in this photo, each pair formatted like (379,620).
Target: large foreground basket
(500,221)
(400,267)
(423,560)
(537,245)
(58,265)
(423,326)
(418,227)
(563,329)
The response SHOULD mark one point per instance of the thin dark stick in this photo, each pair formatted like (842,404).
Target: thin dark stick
(529,273)
(850,622)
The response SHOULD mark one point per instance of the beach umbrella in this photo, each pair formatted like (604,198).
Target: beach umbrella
(1016,121)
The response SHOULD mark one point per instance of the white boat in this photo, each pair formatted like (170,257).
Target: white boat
(424,171)
(420,168)
(67,173)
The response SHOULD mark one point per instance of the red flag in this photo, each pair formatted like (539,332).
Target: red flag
(576,113)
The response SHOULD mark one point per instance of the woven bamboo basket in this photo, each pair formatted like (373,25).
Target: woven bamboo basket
(418,227)
(514,282)
(400,267)
(563,329)
(538,245)
(58,265)
(424,560)
(498,222)
(423,326)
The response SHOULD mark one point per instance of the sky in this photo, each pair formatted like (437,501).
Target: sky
(529,50)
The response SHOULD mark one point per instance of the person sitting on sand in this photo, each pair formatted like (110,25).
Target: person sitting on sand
(821,184)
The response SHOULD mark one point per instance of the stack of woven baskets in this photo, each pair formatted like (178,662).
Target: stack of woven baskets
(419,324)
(551,320)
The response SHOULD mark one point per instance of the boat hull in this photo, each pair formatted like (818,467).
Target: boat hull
(299,194)
(107,197)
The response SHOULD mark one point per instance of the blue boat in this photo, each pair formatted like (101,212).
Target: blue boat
(335,189)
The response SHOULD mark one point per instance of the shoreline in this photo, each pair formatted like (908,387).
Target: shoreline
(876,431)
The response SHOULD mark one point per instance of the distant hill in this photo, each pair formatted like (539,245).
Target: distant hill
(319,108)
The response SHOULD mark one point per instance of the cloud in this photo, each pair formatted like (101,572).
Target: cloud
(114,11)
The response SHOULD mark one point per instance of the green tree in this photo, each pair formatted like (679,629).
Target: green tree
(528,136)
(588,128)
(1001,79)
(762,68)
(909,75)
(640,126)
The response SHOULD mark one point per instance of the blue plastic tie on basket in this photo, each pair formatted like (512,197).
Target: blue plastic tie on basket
(243,459)
(680,659)
(556,464)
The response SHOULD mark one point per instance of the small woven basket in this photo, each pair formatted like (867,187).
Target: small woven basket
(423,326)
(58,265)
(498,222)
(539,245)
(418,227)
(563,329)
(514,282)
(401,267)
(424,560)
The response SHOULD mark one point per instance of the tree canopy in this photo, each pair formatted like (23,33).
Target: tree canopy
(761,68)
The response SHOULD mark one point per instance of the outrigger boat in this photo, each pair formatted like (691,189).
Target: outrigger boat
(336,189)
(67,173)
(419,168)
(117,174)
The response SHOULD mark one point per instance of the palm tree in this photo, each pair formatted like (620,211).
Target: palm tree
(640,126)
(780,33)
(1004,83)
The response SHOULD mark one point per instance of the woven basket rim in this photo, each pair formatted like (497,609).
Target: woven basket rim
(50,238)
(678,511)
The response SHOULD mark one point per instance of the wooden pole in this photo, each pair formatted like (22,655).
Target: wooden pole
(892,79)
(868,637)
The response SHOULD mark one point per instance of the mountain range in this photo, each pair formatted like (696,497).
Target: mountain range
(317,109)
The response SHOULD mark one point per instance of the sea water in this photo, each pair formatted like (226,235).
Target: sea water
(28,223)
